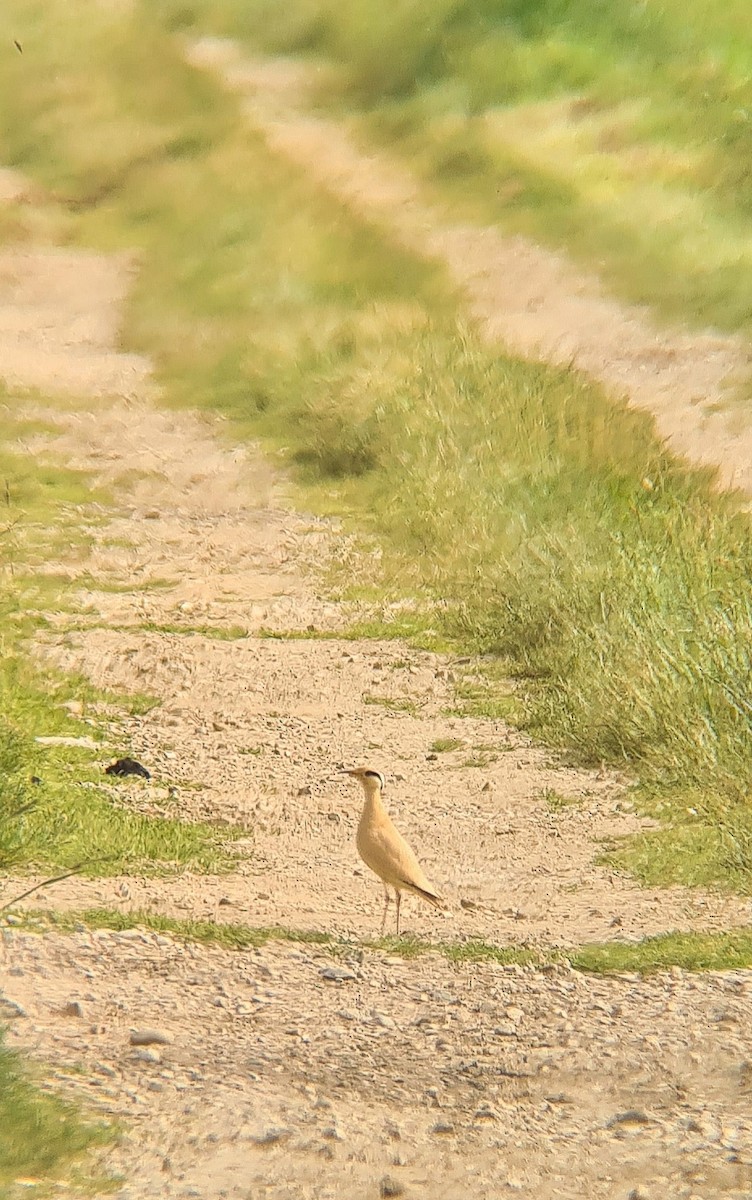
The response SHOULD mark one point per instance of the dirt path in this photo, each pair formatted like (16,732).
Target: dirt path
(534,301)
(287,1072)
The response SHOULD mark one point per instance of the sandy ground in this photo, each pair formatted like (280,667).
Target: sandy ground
(287,1072)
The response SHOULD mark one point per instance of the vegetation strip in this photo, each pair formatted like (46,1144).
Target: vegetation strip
(689,951)
(617,131)
(549,525)
(43,1137)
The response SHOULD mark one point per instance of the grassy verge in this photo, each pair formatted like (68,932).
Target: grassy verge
(550,528)
(54,810)
(66,816)
(621,131)
(689,951)
(43,1140)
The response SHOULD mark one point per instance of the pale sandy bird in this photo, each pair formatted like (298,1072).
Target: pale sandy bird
(384,849)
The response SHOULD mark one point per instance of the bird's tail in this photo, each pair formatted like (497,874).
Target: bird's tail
(432,897)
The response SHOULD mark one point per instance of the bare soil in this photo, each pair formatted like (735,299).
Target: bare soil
(289,1071)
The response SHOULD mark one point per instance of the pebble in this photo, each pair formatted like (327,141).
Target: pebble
(442,1127)
(389,1186)
(632,1117)
(10,1009)
(146,1056)
(73,1009)
(337,974)
(103,1069)
(148,1037)
(271,1137)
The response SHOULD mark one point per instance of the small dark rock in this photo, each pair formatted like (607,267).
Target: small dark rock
(443,1127)
(631,1117)
(35,779)
(224,900)
(127,766)
(9,1008)
(73,1009)
(270,1137)
(389,1186)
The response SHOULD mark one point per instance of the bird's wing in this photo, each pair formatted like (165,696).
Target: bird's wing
(385,851)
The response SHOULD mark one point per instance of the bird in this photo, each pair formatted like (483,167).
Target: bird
(127,766)
(384,849)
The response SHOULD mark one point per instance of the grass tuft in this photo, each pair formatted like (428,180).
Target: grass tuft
(42,1137)
(688,951)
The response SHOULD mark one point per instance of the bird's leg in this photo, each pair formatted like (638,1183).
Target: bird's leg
(398,894)
(387,902)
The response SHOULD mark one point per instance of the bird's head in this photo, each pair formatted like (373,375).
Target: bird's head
(373,781)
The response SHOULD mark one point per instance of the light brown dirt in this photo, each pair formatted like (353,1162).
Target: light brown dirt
(289,1072)
(534,301)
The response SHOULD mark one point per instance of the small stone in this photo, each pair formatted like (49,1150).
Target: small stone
(515,1014)
(638,1193)
(389,1186)
(486,787)
(10,1009)
(263,896)
(73,1009)
(337,974)
(148,1037)
(146,1056)
(632,1117)
(103,1069)
(224,900)
(431,757)
(470,905)
(442,1127)
(155,1086)
(271,1137)
(383,1020)
(331,1133)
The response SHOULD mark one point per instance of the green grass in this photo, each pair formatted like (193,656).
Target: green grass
(509,494)
(42,1138)
(690,951)
(68,817)
(404,705)
(555,801)
(621,131)
(446,745)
